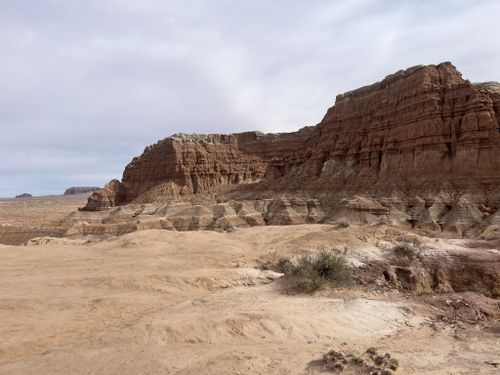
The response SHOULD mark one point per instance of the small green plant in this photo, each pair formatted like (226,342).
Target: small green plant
(393,364)
(357,360)
(343,225)
(334,360)
(369,362)
(333,268)
(285,265)
(405,250)
(379,360)
(303,278)
(312,273)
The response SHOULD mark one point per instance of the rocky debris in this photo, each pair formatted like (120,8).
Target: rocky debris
(81,190)
(426,269)
(38,241)
(24,195)
(465,308)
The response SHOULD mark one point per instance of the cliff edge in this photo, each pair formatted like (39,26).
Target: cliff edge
(423,130)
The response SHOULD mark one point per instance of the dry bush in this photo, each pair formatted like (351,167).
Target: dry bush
(368,363)
(405,250)
(311,273)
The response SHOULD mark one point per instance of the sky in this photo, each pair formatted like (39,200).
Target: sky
(85,85)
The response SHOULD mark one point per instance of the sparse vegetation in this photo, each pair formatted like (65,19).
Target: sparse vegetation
(357,360)
(335,360)
(285,265)
(405,249)
(333,267)
(368,363)
(393,364)
(385,363)
(311,273)
(409,238)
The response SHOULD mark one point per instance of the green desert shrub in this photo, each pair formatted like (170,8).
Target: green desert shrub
(405,250)
(367,363)
(333,268)
(285,265)
(393,364)
(311,273)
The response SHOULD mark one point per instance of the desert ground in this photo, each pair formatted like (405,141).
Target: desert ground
(206,302)
(25,218)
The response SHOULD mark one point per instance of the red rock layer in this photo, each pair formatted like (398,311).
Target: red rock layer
(425,124)
(418,129)
(190,164)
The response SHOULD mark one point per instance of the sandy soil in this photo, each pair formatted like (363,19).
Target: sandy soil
(166,302)
(25,218)
(38,210)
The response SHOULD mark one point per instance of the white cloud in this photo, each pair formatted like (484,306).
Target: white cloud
(105,78)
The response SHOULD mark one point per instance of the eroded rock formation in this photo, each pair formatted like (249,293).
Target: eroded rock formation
(112,195)
(418,128)
(422,134)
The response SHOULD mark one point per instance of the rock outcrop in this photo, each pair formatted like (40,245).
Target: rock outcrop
(417,129)
(80,190)
(422,133)
(112,195)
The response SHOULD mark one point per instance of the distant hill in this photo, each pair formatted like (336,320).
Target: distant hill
(80,190)
(24,195)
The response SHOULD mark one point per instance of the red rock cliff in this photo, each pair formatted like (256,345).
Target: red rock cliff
(425,124)
(418,129)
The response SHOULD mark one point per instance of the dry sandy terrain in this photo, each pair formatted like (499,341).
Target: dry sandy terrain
(38,210)
(164,302)
(24,218)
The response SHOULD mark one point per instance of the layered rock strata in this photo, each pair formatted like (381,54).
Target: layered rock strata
(422,133)
(112,195)
(418,128)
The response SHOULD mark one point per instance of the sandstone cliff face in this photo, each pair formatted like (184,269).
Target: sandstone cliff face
(183,165)
(421,127)
(112,195)
(424,130)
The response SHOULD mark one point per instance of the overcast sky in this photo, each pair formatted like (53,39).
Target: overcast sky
(87,84)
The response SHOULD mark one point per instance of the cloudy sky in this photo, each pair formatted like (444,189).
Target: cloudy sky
(87,84)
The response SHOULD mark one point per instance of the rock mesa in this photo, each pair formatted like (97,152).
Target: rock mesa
(418,134)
